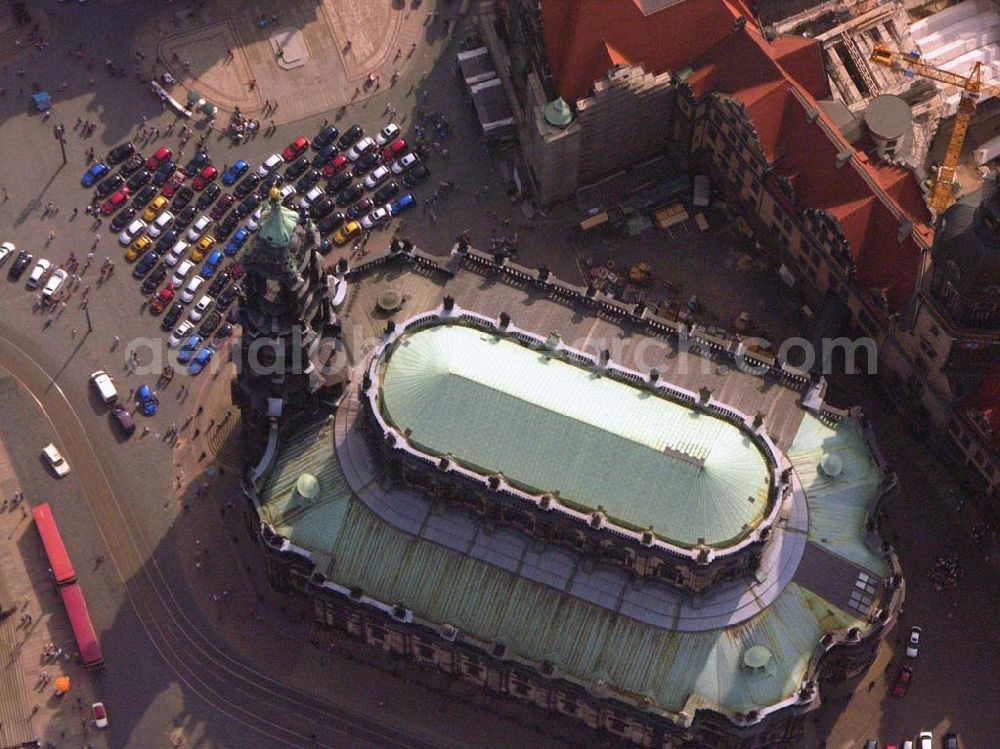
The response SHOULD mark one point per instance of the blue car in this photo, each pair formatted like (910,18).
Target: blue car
(92,175)
(402,203)
(201,360)
(239,239)
(211,265)
(187,350)
(146,400)
(233,173)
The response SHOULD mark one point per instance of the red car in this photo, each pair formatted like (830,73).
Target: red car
(171,188)
(154,161)
(161,300)
(235,270)
(394,150)
(205,177)
(116,201)
(224,204)
(335,167)
(295,149)
(902,682)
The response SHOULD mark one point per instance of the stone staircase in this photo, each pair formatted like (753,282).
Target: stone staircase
(10,32)
(226,443)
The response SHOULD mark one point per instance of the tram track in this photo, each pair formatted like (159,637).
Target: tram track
(241,692)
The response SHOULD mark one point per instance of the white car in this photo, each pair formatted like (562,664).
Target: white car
(285,194)
(180,274)
(38,272)
(311,197)
(178,251)
(908,744)
(387,134)
(379,216)
(199,227)
(253,223)
(56,460)
(160,224)
(6,250)
(55,281)
(355,151)
(913,644)
(401,165)
(100,715)
(182,332)
(191,289)
(199,310)
(130,232)
(377,177)
(105,386)
(271,163)
(925,740)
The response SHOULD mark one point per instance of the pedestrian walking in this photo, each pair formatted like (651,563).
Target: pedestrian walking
(97,239)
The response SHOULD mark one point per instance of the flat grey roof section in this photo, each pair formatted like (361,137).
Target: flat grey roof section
(568,571)
(476,65)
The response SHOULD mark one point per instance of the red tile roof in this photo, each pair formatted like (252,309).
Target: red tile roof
(582,37)
(779,83)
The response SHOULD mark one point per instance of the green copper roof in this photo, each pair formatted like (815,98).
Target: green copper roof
(277,223)
(497,406)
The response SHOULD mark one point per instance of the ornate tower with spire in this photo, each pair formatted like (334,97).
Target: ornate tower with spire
(288,361)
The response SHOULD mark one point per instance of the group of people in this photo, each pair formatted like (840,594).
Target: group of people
(240,126)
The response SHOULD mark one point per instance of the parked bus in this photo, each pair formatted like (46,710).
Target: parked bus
(83,630)
(55,550)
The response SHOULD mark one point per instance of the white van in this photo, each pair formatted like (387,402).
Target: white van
(105,386)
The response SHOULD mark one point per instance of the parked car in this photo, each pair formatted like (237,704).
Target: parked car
(118,154)
(6,250)
(416,175)
(350,194)
(199,227)
(330,223)
(325,205)
(21,262)
(227,297)
(393,150)
(198,162)
(210,323)
(376,218)
(377,177)
(131,165)
(386,192)
(109,184)
(161,300)
(325,155)
(247,186)
(159,157)
(239,239)
(325,137)
(346,232)
(403,203)
(123,218)
(130,232)
(205,177)
(145,265)
(116,201)
(274,179)
(269,164)
(247,206)
(925,740)
(208,196)
(148,402)
(154,279)
(297,168)
(200,361)
(94,174)
(295,149)
(185,217)
(362,146)
(55,282)
(180,274)
(144,196)
(173,315)
(361,208)
(306,201)
(351,136)
(38,272)
(167,239)
(387,134)
(174,184)
(191,290)
(338,183)
(913,644)
(232,174)
(211,265)
(160,225)
(407,162)
(104,386)
(200,307)
(308,180)
(182,197)
(951,741)
(365,164)
(177,251)
(222,207)
(164,173)
(155,208)
(119,415)
(219,282)
(138,247)
(336,165)
(204,246)
(186,351)
(55,459)
(224,229)
(902,682)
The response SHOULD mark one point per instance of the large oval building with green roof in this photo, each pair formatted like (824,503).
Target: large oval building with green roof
(594,442)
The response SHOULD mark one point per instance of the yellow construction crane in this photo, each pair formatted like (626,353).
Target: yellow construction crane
(971,86)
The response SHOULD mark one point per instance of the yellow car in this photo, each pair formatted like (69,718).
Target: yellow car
(204,246)
(138,247)
(345,232)
(155,208)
